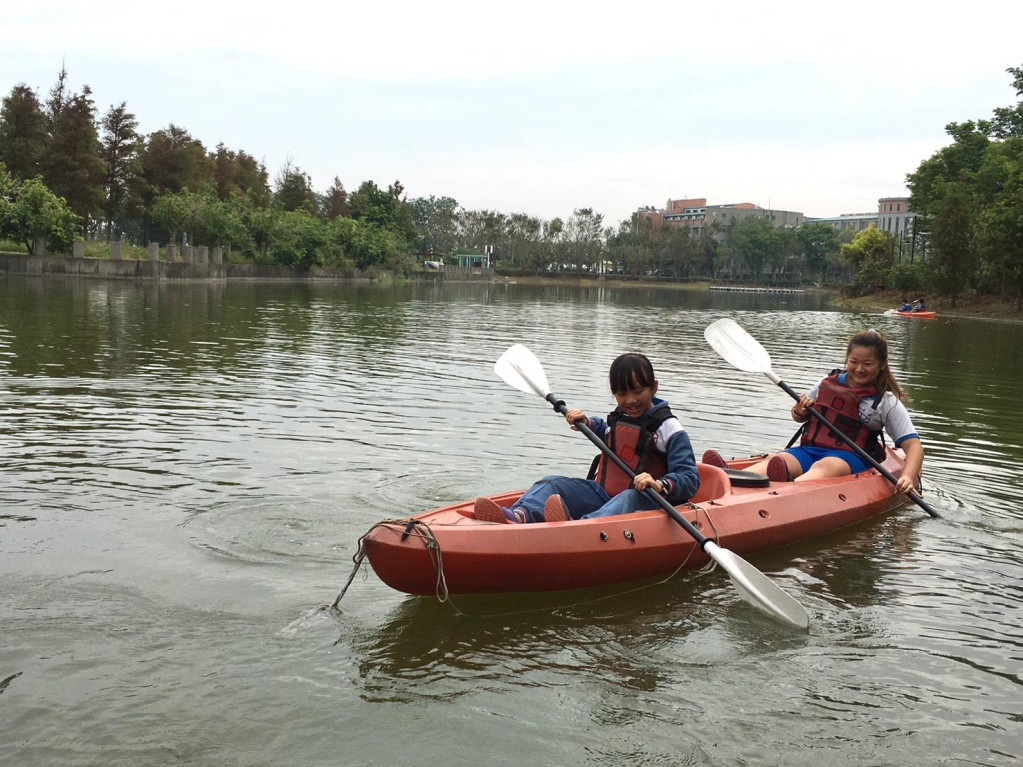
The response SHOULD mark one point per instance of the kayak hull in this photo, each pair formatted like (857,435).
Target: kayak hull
(448,549)
(916,315)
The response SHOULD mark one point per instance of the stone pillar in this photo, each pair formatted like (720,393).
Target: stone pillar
(172,252)
(218,255)
(204,254)
(154,251)
(186,254)
(39,246)
(78,249)
(115,250)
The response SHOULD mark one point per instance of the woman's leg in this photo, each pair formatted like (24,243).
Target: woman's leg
(795,467)
(825,468)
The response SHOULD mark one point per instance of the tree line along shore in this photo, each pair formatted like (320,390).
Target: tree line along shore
(68,173)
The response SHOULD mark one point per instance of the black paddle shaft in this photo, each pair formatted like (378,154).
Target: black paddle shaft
(914,496)
(560,407)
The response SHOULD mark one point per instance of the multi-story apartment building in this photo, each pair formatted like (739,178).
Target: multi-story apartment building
(892,217)
(895,217)
(855,222)
(696,215)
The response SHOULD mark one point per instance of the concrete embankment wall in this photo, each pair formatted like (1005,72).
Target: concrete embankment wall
(103,268)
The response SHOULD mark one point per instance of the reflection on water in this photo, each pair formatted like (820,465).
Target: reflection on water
(187,467)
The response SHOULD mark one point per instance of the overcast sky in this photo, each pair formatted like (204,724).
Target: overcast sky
(544,107)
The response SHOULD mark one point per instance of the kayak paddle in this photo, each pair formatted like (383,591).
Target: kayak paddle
(520,369)
(743,351)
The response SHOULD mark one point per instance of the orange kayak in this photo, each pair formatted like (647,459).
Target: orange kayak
(916,315)
(412,555)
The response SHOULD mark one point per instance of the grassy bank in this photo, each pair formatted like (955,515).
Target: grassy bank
(968,305)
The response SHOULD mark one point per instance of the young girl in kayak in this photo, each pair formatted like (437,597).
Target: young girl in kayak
(875,404)
(642,432)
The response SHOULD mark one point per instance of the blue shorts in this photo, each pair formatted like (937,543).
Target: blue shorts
(807,456)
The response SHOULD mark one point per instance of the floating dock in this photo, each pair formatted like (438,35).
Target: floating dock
(748,289)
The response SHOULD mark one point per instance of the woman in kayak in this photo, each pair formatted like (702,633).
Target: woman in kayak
(861,400)
(642,431)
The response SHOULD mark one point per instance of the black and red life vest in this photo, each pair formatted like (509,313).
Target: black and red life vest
(840,404)
(632,440)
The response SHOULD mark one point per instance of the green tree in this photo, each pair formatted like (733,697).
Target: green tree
(386,209)
(871,254)
(755,241)
(480,230)
(24,133)
(293,190)
(523,233)
(176,212)
(72,167)
(236,173)
(335,202)
(120,145)
(436,222)
(29,211)
(953,262)
(553,241)
(298,239)
(999,229)
(819,243)
(172,160)
(1007,122)
(584,238)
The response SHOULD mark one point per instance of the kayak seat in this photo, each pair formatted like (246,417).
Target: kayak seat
(740,478)
(714,483)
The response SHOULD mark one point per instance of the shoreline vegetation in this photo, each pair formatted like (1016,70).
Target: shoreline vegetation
(72,182)
(968,305)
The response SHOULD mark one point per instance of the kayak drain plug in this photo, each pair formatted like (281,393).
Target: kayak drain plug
(629,536)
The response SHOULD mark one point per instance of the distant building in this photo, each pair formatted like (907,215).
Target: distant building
(856,222)
(696,215)
(474,260)
(727,215)
(894,216)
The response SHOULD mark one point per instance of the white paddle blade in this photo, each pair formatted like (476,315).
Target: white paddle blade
(519,368)
(737,347)
(757,589)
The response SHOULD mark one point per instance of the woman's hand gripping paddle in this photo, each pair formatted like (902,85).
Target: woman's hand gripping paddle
(743,351)
(519,368)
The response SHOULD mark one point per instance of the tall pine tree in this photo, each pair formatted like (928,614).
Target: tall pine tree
(24,133)
(72,167)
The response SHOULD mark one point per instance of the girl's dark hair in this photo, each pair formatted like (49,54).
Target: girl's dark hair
(630,370)
(871,339)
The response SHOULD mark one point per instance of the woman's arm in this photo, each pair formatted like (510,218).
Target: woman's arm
(914,462)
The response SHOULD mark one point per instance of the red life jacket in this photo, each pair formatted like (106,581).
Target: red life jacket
(631,439)
(840,404)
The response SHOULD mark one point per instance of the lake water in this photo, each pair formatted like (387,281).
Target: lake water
(186,469)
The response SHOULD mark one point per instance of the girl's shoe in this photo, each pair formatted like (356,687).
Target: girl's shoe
(778,470)
(554,510)
(487,510)
(713,458)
